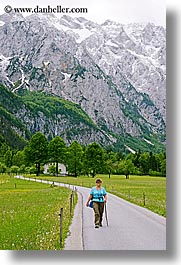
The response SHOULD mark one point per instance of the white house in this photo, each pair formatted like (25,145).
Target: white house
(61,167)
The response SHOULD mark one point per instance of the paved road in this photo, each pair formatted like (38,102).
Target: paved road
(130,227)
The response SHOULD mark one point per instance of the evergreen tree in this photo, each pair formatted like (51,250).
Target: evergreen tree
(152,162)
(144,162)
(163,167)
(136,160)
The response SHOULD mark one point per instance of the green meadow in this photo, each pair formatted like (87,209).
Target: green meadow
(29,211)
(29,214)
(131,189)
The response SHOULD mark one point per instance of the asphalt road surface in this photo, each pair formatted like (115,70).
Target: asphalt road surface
(130,227)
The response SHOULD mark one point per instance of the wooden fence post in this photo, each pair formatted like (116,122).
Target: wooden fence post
(61,228)
(73,197)
(71,204)
(144,198)
(75,190)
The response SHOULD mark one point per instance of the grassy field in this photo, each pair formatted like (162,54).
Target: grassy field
(29,217)
(132,190)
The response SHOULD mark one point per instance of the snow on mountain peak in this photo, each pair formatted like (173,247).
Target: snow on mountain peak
(1,23)
(133,52)
(109,22)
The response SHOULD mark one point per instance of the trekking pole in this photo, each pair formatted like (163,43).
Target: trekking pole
(106,214)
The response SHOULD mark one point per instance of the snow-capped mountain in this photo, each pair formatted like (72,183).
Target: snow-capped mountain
(115,72)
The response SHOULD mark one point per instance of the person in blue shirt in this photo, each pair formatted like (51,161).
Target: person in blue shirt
(98,195)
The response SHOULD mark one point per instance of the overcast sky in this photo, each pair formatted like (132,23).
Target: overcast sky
(124,11)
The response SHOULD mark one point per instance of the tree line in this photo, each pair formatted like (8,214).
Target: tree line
(86,160)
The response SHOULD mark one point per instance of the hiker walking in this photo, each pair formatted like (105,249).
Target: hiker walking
(98,196)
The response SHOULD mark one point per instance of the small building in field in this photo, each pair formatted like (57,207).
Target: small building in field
(61,167)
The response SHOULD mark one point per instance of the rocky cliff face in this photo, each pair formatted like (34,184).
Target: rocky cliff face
(115,72)
(21,116)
